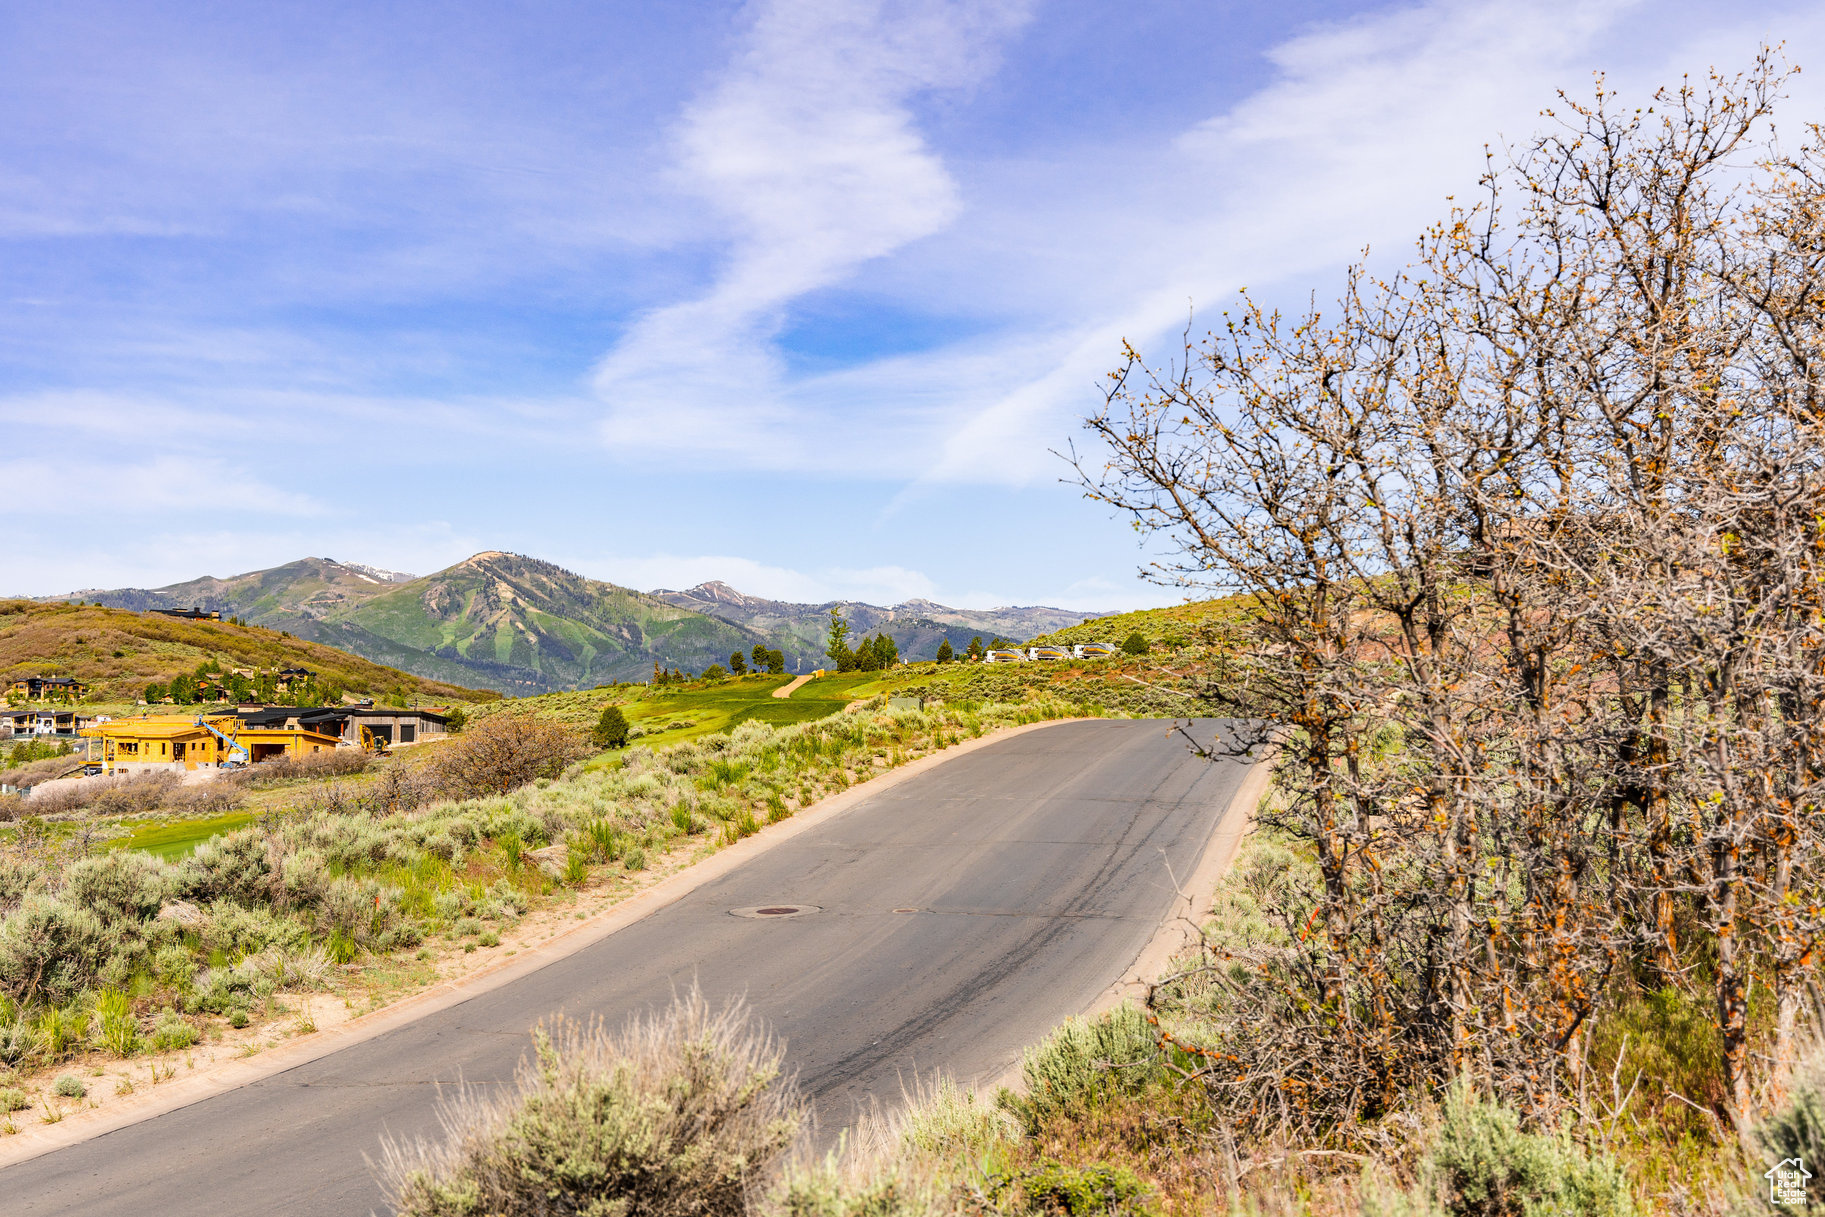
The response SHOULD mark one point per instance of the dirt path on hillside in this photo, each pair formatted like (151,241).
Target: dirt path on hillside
(786,690)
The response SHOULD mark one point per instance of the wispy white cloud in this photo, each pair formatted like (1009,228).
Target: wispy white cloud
(808,148)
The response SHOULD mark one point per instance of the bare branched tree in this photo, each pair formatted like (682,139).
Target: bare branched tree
(1533,537)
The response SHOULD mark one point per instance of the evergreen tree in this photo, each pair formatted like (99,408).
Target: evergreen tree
(715,672)
(738,663)
(611,729)
(1134,644)
(155,694)
(886,651)
(776,662)
(838,646)
(945,654)
(975,649)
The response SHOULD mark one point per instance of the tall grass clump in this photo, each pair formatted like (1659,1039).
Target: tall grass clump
(680,1112)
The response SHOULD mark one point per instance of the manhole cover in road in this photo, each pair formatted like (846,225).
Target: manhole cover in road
(776,910)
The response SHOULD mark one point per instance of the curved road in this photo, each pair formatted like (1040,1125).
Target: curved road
(1038,867)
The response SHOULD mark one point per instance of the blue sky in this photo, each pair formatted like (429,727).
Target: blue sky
(795,294)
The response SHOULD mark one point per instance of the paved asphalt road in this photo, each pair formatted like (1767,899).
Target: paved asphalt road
(1038,866)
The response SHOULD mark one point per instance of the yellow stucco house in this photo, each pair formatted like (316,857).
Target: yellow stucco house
(178,742)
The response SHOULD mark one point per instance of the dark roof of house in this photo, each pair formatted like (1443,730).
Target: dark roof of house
(267,716)
(392,712)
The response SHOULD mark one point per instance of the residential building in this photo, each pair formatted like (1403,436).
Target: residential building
(370,727)
(47,722)
(182,742)
(47,688)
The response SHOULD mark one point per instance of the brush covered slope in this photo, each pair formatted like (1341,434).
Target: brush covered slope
(916,626)
(522,625)
(498,620)
(117,653)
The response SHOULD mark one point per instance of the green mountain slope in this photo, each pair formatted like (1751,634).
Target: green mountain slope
(497,620)
(528,625)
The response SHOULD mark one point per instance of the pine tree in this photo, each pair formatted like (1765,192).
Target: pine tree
(945,654)
(738,663)
(838,646)
(975,650)
(886,651)
(611,729)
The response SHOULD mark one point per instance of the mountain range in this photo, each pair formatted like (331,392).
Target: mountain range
(520,626)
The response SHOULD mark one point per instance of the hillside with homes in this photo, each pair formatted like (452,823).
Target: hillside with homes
(54,652)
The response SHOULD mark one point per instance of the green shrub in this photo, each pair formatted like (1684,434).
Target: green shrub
(237,1018)
(1079,1191)
(171,1031)
(13,1099)
(1082,1060)
(677,1113)
(1482,1164)
(17,1041)
(70,1086)
(50,950)
(1135,644)
(634,859)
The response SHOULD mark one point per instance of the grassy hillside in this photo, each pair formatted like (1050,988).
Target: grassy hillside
(1174,625)
(669,714)
(118,652)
